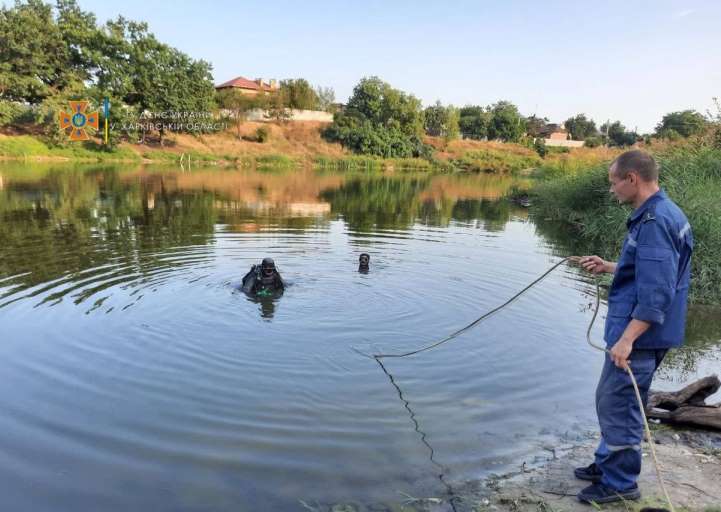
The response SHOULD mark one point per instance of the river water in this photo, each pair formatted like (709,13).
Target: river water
(135,376)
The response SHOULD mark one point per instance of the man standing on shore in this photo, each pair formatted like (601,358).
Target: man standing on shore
(646,316)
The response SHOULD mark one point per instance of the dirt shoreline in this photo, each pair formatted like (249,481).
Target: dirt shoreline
(690,465)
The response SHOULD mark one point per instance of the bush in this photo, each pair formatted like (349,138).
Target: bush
(381,121)
(262,134)
(367,139)
(539,145)
(10,112)
(593,142)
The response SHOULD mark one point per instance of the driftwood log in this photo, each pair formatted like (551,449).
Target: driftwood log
(687,406)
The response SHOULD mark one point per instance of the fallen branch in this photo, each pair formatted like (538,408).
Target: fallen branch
(687,406)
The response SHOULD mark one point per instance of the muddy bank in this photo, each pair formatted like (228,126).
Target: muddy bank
(690,465)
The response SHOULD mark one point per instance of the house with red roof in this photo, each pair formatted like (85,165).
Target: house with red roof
(250,87)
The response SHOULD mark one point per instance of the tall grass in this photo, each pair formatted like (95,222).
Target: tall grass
(348,163)
(495,160)
(691,175)
(558,164)
(275,160)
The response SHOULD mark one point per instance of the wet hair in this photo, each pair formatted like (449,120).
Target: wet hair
(636,161)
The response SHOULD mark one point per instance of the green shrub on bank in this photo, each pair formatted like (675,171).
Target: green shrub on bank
(380,121)
(692,178)
(262,134)
(11,112)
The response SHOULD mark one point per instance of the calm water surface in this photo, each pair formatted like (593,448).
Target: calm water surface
(134,376)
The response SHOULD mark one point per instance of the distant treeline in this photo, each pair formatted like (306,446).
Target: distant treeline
(50,54)
(380,120)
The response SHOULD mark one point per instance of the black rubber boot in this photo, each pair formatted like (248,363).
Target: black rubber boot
(590,473)
(599,494)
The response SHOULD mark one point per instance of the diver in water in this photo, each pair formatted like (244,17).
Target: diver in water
(263,280)
(364,263)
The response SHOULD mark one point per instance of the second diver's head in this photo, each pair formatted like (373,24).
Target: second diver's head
(364,260)
(267,267)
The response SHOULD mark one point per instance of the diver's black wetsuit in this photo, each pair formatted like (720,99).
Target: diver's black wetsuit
(255,282)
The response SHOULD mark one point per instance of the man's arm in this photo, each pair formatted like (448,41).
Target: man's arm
(621,351)
(597,265)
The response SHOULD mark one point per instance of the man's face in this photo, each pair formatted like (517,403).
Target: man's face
(625,189)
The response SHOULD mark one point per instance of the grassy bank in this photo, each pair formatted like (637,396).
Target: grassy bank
(691,175)
(26,146)
(291,144)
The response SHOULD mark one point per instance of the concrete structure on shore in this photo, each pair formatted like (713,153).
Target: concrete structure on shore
(565,143)
(259,115)
(557,135)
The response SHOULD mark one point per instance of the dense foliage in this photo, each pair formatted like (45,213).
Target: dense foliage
(51,55)
(440,121)
(380,120)
(681,124)
(580,127)
(474,121)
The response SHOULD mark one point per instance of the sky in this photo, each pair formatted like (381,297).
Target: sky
(632,61)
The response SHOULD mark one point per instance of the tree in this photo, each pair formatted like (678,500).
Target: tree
(535,126)
(379,120)
(34,59)
(326,98)
(684,123)
(153,77)
(580,127)
(277,107)
(239,104)
(79,32)
(168,81)
(617,134)
(506,124)
(474,121)
(297,93)
(440,121)
(453,117)
(434,119)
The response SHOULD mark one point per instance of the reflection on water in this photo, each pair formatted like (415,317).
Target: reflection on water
(78,233)
(135,376)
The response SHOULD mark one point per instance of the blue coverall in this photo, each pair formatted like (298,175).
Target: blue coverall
(651,284)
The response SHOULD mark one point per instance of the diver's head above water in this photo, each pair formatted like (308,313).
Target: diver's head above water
(267,267)
(364,262)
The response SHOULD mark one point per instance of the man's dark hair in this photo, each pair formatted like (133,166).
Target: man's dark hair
(637,161)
